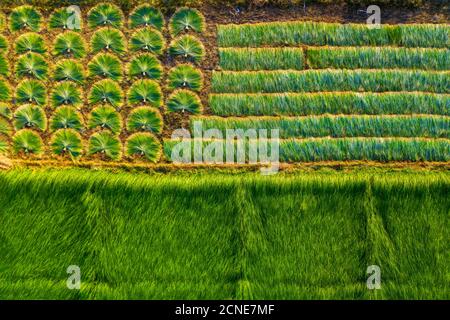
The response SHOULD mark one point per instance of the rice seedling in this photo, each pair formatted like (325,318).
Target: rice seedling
(336,126)
(143,145)
(145,66)
(105,144)
(329,102)
(186,19)
(145,92)
(106,92)
(5,91)
(146,16)
(239,59)
(31,65)
(25,18)
(66,117)
(5,127)
(108,40)
(30,42)
(65,19)
(333,34)
(66,93)
(105,66)
(147,40)
(144,119)
(4,65)
(5,111)
(3,44)
(67,142)
(105,117)
(355,58)
(69,70)
(187,47)
(27,142)
(185,76)
(69,44)
(31,91)
(105,14)
(30,117)
(330,80)
(184,100)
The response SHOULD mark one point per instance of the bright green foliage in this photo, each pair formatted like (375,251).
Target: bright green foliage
(27,142)
(187,47)
(144,119)
(145,92)
(105,117)
(185,76)
(238,59)
(105,65)
(108,40)
(147,40)
(105,14)
(145,66)
(31,65)
(5,111)
(184,100)
(105,144)
(67,142)
(186,19)
(30,117)
(31,91)
(69,44)
(143,145)
(371,58)
(106,92)
(5,91)
(5,127)
(69,70)
(25,18)
(329,102)
(146,16)
(65,19)
(330,80)
(4,147)
(66,93)
(30,42)
(4,65)
(66,117)
(3,44)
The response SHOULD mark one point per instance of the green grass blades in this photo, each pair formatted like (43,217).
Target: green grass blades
(25,18)
(66,142)
(239,59)
(186,19)
(106,92)
(5,127)
(105,14)
(145,92)
(143,145)
(145,66)
(26,142)
(5,111)
(334,34)
(147,40)
(146,16)
(69,70)
(330,80)
(185,76)
(30,117)
(184,101)
(5,91)
(105,66)
(371,58)
(106,145)
(329,102)
(4,147)
(31,91)
(66,117)
(188,48)
(144,119)
(105,117)
(108,40)
(31,65)
(4,65)
(66,94)
(336,126)
(64,19)
(3,44)
(69,45)
(30,42)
